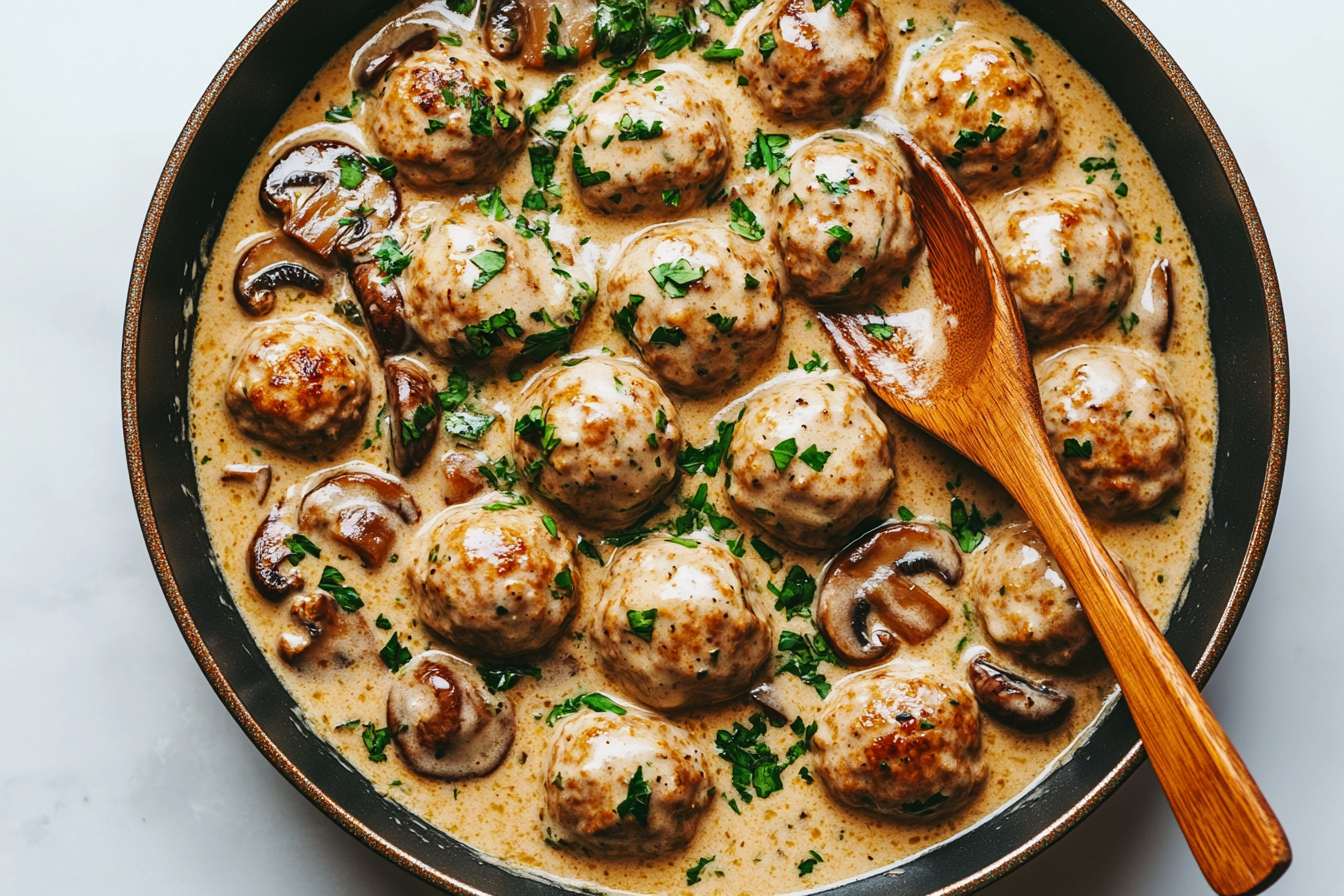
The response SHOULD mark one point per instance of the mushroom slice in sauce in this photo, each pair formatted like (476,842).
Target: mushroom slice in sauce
(447,726)
(268,555)
(269,265)
(462,478)
(384,308)
(395,41)
(358,505)
(1030,707)
(414,403)
(327,638)
(330,197)
(256,475)
(771,703)
(514,27)
(1154,307)
(871,577)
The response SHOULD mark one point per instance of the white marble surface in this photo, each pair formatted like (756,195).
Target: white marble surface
(121,772)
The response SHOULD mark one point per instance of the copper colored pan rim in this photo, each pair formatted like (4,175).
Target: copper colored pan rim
(1249,569)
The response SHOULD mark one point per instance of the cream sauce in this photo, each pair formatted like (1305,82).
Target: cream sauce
(758,852)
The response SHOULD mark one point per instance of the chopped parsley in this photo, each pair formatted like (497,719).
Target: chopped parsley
(488,335)
(594,701)
(766,151)
(693,872)
(383,623)
(352,171)
(783,453)
(724,324)
(673,279)
(620,29)
(842,238)
(492,204)
(879,330)
(586,176)
(346,597)
(636,802)
(837,187)
(804,654)
(391,258)
(641,623)
(795,597)
(773,558)
(672,336)
(298,546)
(743,222)
(710,457)
(632,129)
(717,52)
(554,51)
(672,198)
(490,262)
(1022,45)
(766,44)
(755,766)
(806,865)
(394,654)
(502,677)
(732,12)
(413,429)
(1074,448)
(968,528)
(376,741)
(589,550)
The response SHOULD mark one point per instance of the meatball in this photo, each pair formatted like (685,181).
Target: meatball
(600,438)
(810,458)
(974,103)
(700,305)
(656,143)
(598,767)
(300,384)
(444,118)
(678,624)
(489,576)
(844,225)
(808,62)
(1067,257)
(462,310)
(444,722)
(1025,605)
(1116,426)
(901,741)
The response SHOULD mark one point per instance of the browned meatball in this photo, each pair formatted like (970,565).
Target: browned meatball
(491,577)
(900,741)
(810,62)
(1025,605)
(1116,426)
(444,722)
(599,437)
(678,625)
(598,761)
(1067,257)
(840,180)
(811,458)
(300,384)
(444,118)
(660,143)
(974,103)
(700,305)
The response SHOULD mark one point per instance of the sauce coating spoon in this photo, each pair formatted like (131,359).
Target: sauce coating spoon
(982,399)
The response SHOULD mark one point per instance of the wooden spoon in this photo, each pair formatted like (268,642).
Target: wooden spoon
(981,398)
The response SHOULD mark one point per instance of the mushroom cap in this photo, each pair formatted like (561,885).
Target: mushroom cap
(708,638)
(301,384)
(833,413)
(414,404)
(271,264)
(359,506)
(520,28)
(445,723)
(384,308)
(1029,706)
(871,577)
(593,757)
(327,638)
(902,741)
(493,581)
(344,180)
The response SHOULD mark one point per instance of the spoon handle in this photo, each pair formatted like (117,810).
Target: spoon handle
(1234,835)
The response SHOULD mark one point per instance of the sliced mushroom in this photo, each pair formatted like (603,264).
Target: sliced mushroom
(256,475)
(327,636)
(871,578)
(414,404)
(514,27)
(384,309)
(331,198)
(462,479)
(1030,707)
(268,554)
(269,265)
(767,698)
(358,505)
(446,725)
(395,41)
(1154,307)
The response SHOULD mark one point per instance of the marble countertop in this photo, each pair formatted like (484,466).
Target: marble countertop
(135,779)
